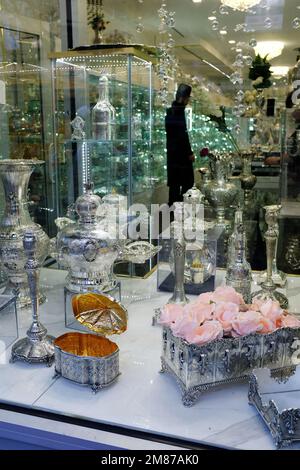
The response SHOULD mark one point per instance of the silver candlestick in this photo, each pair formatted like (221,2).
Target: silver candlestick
(278,277)
(268,286)
(179,249)
(248,181)
(37,347)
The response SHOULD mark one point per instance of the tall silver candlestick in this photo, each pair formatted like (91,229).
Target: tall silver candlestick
(179,250)
(37,347)
(268,286)
(278,277)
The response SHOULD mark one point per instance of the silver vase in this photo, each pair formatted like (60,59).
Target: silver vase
(15,222)
(219,191)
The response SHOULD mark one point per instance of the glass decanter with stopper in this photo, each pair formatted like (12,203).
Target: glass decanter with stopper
(103,114)
(239,274)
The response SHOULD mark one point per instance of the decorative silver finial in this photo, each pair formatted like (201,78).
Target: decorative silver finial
(37,347)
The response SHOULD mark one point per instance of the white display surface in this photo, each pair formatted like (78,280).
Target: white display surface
(141,399)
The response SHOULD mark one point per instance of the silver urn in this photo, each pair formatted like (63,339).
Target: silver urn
(15,175)
(87,249)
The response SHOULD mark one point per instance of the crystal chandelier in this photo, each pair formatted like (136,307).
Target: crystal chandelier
(241,5)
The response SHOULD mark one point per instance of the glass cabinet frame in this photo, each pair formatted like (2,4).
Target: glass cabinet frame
(124,164)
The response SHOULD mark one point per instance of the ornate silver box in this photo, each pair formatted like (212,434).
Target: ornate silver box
(77,358)
(277,399)
(90,359)
(200,368)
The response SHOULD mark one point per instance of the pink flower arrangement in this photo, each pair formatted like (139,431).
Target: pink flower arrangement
(223,313)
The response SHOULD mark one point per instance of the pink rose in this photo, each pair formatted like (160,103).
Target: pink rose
(272,311)
(225,313)
(206,298)
(227,294)
(199,312)
(246,323)
(206,333)
(257,303)
(289,321)
(268,326)
(183,326)
(170,313)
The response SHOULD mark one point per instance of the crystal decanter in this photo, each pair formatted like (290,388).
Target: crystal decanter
(239,274)
(103,114)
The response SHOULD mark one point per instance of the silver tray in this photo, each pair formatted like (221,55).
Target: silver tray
(277,399)
(227,360)
(97,372)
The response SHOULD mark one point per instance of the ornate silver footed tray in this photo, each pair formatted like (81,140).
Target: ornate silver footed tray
(277,399)
(199,368)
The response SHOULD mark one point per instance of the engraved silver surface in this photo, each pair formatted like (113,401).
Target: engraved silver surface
(15,222)
(97,372)
(277,402)
(227,360)
(37,347)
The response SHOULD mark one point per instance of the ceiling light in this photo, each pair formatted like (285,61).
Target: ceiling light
(280,71)
(269,48)
(241,5)
(232,41)
(212,18)
(197,1)
(223,32)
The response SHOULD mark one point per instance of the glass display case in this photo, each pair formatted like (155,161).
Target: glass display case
(289,223)
(103,123)
(200,265)
(22,132)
